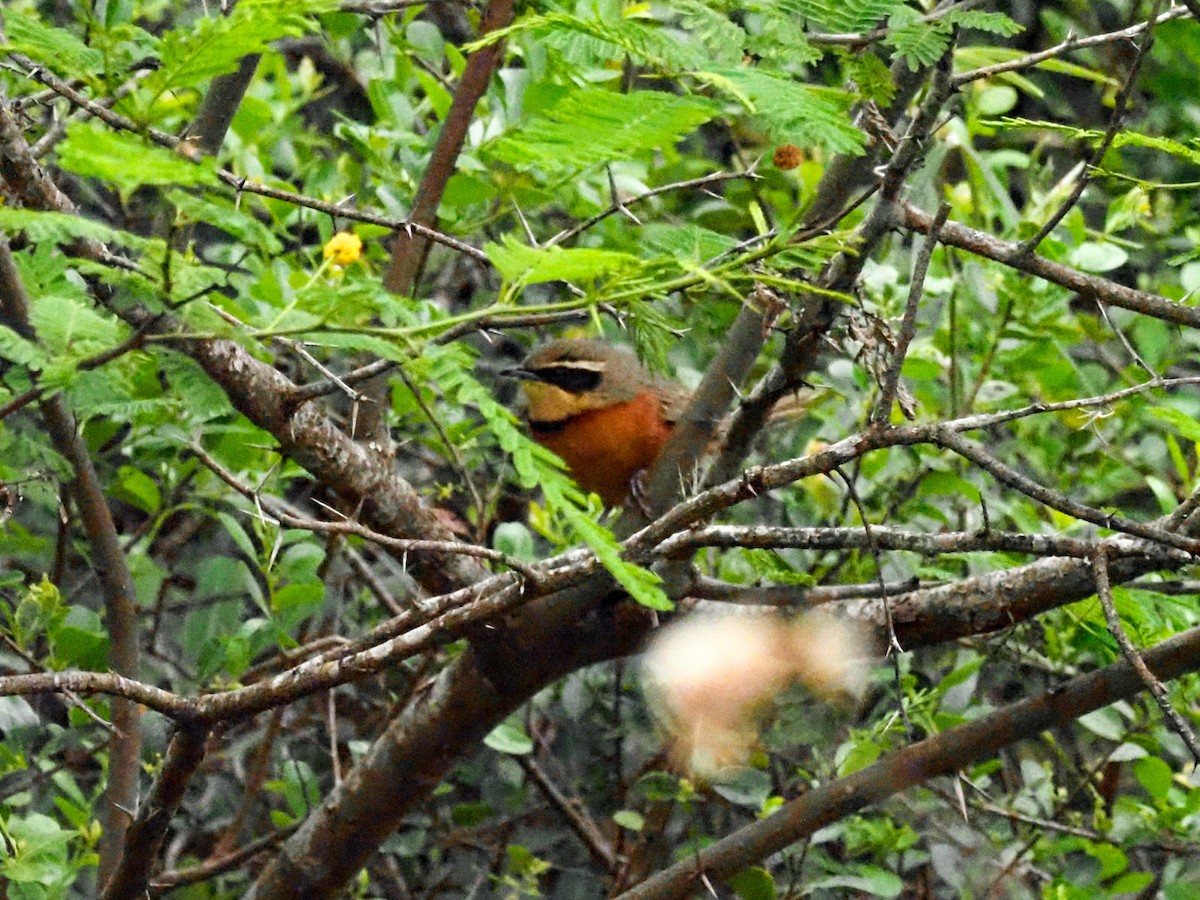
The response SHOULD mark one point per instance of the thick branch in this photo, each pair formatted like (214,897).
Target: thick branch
(409,249)
(146,833)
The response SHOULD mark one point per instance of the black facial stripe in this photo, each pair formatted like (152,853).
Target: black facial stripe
(547,428)
(571,379)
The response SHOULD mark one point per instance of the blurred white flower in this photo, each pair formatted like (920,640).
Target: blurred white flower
(710,676)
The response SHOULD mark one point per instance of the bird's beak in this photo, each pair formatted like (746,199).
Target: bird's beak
(521,374)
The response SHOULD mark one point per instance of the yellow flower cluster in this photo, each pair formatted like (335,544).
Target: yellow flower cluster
(343,248)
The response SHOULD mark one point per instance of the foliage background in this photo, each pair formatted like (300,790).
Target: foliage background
(618,175)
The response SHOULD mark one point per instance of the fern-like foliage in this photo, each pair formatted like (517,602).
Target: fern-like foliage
(791,111)
(125,161)
(215,45)
(591,125)
(55,48)
(842,15)
(535,265)
(922,43)
(722,39)
(62,228)
(1189,152)
(596,40)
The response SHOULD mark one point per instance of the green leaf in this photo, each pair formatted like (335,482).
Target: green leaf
(744,787)
(845,15)
(69,325)
(468,815)
(590,125)
(56,48)
(509,737)
(1113,860)
(534,265)
(215,44)
(753,884)
(1105,722)
(63,228)
(871,880)
(80,641)
(873,77)
(642,584)
(600,39)
(857,753)
(1155,776)
(1094,136)
(16,349)
(1131,883)
(1093,256)
(123,160)
(135,487)
(1181,422)
(980,20)
(628,818)
(239,535)
(515,539)
(233,221)
(791,111)
(917,42)
(724,39)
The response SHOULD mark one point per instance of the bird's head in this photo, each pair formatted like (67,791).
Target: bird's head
(567,377)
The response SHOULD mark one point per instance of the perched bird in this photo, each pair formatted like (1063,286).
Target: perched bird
(592,403)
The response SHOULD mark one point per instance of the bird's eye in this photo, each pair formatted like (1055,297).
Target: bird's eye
(572,379)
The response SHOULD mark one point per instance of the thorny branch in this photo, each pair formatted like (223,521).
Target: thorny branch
(1104,592)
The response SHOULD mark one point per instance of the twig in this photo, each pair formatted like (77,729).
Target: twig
(456,457)
(894,648)
(240,182)
(1134,658)
(1129,348)
(372,581)
(572,811)
(185,753)
(315,389)
(1059,501)
(1071,43)
(211,868)
(884,538)
(701,182)
(982,244)
(331,726)
(115,580)
(1120,107)
(908,325)
(400,545)
(411,242)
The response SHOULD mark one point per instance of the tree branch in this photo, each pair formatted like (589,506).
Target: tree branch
(1090,286)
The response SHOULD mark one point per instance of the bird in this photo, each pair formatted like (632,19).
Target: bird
(593,403)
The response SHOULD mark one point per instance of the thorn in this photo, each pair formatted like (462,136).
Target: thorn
(525,224)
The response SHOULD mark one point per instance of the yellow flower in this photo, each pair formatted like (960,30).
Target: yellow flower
(343,248)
